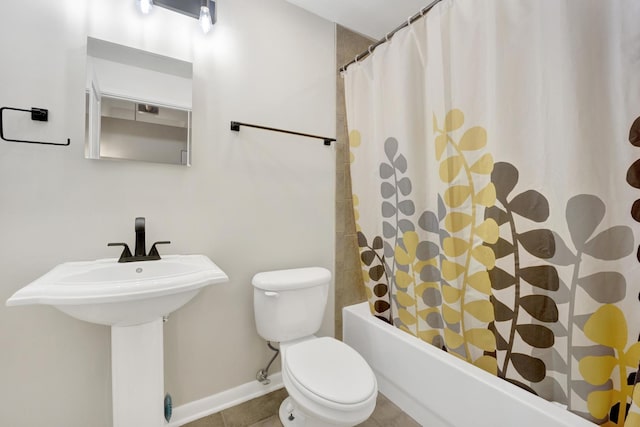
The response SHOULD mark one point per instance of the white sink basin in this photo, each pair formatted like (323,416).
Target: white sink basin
(132,298)
(121,294)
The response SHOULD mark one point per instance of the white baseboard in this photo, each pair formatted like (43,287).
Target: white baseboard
(192,411)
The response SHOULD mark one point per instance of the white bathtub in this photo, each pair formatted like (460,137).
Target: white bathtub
(439,390)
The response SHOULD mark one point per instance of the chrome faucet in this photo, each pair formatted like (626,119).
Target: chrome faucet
(140,248)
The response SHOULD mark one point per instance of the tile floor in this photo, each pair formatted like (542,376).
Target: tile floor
(263,412)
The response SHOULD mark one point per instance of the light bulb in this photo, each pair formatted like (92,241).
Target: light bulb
(145,6)
(205,19)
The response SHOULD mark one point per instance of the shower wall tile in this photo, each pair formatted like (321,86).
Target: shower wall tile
(352,294)
(341,208)
(347,175)
(340,256)
(349,218)
(341,192)
(348,274)
(350,44)
(344,215)
(352,253)
(343,153)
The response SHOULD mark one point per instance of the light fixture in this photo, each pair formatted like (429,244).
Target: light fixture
(205,17)
(202,10)
(145,6)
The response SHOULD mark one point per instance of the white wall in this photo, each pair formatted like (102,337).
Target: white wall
(252,201)
(372,18)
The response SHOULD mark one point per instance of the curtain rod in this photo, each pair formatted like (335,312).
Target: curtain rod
(389,35)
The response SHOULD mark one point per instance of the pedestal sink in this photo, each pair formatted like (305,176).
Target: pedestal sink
(132,298)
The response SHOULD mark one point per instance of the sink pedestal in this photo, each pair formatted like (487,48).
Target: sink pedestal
(137,375)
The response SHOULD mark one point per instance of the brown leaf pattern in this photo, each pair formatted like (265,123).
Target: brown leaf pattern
(532,206)
(536,314)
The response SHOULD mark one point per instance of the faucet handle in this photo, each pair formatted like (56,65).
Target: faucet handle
(153,252)
(126,253)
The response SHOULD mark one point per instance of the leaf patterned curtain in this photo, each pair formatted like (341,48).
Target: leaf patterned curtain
(493,161)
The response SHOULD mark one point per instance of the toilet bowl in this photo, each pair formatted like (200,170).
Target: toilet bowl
(328,382)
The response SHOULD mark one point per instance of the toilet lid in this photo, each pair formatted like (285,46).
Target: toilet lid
(287,280)
(331,369)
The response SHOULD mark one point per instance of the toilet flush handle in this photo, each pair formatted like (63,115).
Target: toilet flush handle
(271,294)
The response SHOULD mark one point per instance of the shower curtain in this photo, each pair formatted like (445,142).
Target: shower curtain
(494,148)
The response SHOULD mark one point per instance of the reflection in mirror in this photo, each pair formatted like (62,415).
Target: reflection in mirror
(138,105)
(146,132)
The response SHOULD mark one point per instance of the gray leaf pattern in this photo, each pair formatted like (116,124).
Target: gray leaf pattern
(398,210)
(547,301)
(611,244)
(584,213)
(606,287)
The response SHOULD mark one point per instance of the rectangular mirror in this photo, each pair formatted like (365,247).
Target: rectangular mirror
(138,105)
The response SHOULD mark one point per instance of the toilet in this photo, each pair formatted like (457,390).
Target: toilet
(328,382)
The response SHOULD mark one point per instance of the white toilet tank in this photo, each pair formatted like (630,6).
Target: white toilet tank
(289,304)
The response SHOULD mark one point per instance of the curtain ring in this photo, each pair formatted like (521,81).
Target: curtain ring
(369,49)
(409,21)
(386,38)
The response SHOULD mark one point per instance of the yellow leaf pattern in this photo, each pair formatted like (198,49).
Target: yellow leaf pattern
(452,339)
(598,403)
(451,270)
(445,296)
(482,338)
(454,120)
(483,166)
(413,309)
(403,279)
(485,256)
(406,317)
(450,315)
(632,356)
(355,140)
(481,310)
(457,195)
(454,247)
(473,139)
(457,221)
(450,294)
(466,258)
(607,326)
(379,302)
(596,370)
(481,282)
(633,419)
(488,231)
(487,196)
(487,363)
(441,145)
(404,298)
(450,168)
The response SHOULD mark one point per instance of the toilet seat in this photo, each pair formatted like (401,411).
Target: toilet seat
(331,373)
